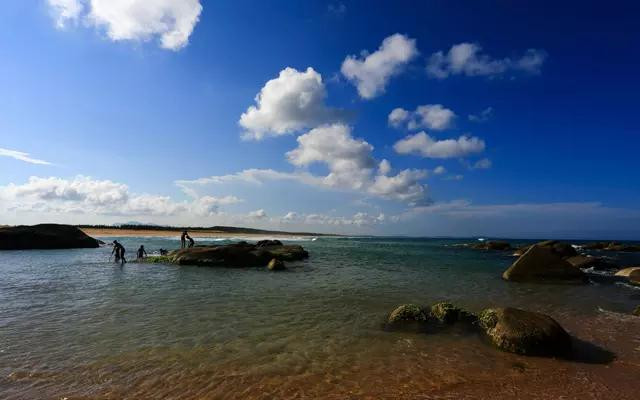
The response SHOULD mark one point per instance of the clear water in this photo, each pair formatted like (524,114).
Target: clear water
(75,325)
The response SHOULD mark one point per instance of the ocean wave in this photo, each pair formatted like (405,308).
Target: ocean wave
(627,285)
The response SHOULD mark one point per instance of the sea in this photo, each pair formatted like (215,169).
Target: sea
(76,325)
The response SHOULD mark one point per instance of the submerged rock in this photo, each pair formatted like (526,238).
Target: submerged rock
(240,254)
(45,236)
(543,264)
(276,265)
(492,245)
(524,332)
(407,316)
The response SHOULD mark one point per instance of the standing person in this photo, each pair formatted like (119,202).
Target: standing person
(191,241)
(119,251)
(142,253)
(183,239)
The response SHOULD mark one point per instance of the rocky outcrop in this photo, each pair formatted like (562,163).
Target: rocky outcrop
(611,246)
(561,249)
(45,236)
(582,261)
(634,277)
(268,242)
(524,332)
(492,245)
(276,265)
(543,264)
(625,272)
(240,254)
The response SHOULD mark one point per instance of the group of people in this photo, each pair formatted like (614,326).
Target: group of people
(119,250)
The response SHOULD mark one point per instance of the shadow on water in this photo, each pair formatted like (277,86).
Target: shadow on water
(589,353)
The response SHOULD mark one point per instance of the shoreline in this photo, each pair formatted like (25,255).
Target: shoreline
(109,232)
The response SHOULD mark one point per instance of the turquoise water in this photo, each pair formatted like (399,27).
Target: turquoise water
(73,324)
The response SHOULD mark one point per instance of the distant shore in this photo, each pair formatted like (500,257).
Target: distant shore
(204,233)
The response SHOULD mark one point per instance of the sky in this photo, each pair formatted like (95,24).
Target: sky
(432,118)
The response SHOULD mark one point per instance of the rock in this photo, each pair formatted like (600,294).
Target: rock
(276,265)
(582,261)
(264,243)
(524,332)
(636,312)
(634,277)
(611,246)
(408,316)
(561,249)
(627,271)
(447,313)
(45,236)
(543,264)
(240,254)
(492,245)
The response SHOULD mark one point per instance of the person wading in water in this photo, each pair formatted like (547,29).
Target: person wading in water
(119,251)
(183,239)
(142,253)
(191,241)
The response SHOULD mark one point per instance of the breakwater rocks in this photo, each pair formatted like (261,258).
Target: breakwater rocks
(44,237)
(236,255)
(509,329)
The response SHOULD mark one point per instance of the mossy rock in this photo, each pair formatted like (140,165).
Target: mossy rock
(408,317)
(524,332)
(157,260)
(446,313)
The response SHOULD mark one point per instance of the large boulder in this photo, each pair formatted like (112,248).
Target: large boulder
(446,313)
(543,264)
(407,317)
(625,272)
(524,332)
(268,242)
(634,277)
(492,245)
(240,254)
(45,236)
(562,249)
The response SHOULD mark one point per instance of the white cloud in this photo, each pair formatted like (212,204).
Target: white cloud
(172,21)
(257,214)
(485,163)
(65,11)
(350,164)
(482,116)
(84,195)
(468,59)
(430,116)
(371,72)
(439,170)
(21,156)
(291,102)
(424,145)
(359,219)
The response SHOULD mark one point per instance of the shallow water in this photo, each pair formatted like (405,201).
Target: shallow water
(74,325)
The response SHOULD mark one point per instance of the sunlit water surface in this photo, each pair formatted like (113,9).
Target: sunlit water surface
(75,325)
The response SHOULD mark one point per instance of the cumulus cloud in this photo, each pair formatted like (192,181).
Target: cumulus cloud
(359,219)
(430,116)
(21,156)
(258,214)
(293,101)
(485,163)
(371,72)
(482,116)
(172,21)
(86,195)
(439,170)
(425,146)
(349,161)
(468,59)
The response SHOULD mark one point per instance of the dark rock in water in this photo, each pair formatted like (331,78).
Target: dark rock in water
(264,243)
(611,246)
(561,249)
(524,332)
(634,277)
(276,265)
(240,254)
(543,264)
(636,311)
(45,236)
(408,317)
(447,313)
(492,245)
(597,263)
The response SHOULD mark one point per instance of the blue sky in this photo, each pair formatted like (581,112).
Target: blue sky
(510,119)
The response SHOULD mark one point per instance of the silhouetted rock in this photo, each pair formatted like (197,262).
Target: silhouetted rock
(492,245)
(583,262)
(611,246)
(276,265)
(524,332)
(267,242)
(543,264)
(240,254)
(45,236)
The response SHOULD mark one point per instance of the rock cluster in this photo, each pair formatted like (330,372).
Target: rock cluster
(611,246)
(542,263)
(492,245)
(45,236)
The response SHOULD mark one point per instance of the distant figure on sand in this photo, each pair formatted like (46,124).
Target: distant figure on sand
(191,241)
(183,239)
(119,251)
(142,253)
